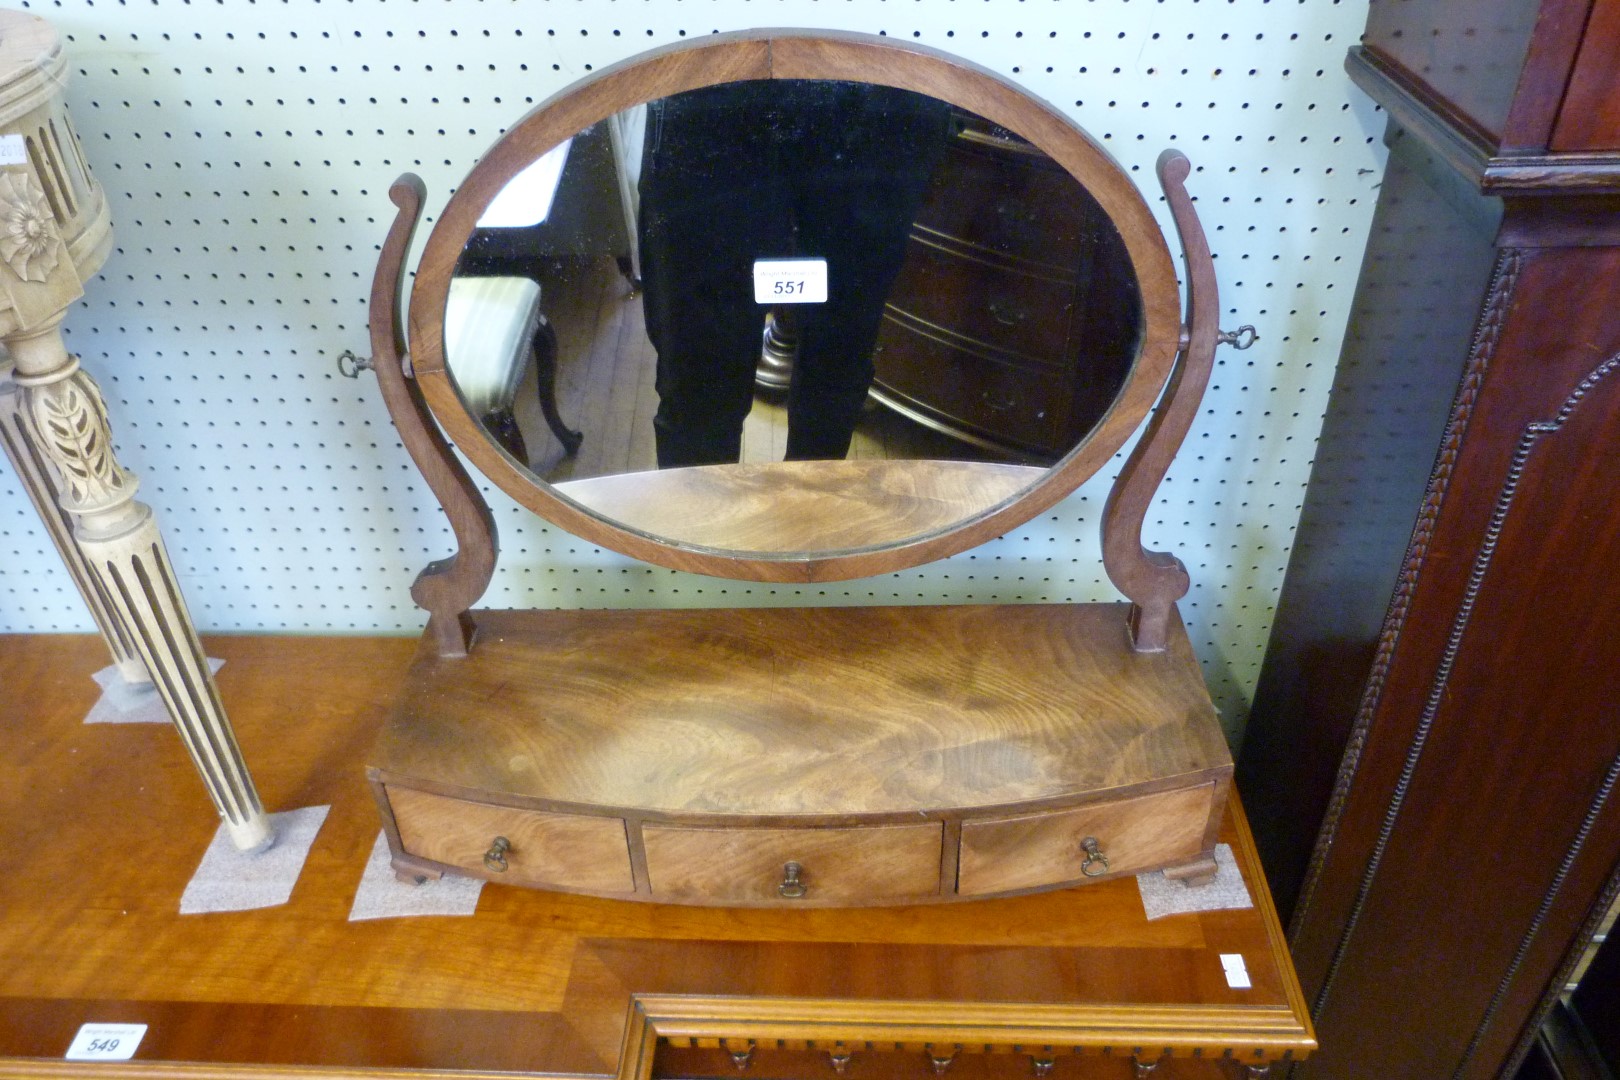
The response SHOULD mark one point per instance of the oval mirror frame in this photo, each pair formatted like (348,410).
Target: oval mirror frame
(794,54)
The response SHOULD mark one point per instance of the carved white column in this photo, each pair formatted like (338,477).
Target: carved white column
(54,234)
(118,538)
(36,479)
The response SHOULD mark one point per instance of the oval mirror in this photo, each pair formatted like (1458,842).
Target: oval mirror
(780,306)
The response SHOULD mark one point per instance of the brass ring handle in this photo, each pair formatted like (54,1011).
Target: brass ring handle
(1094,857)
(792,888)
(495,857)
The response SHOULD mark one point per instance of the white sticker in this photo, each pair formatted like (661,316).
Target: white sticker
(790,281)
(1237,973)
(13,151)
(106,1042)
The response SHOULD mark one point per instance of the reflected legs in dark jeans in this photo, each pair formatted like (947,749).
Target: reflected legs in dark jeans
(767,170)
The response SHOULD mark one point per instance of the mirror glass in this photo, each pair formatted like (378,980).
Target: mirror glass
(789,271)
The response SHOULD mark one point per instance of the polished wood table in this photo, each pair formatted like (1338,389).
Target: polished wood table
(101,827)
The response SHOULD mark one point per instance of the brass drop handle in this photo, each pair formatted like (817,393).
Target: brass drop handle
(792,888)
(1007,313)
(1094,857)
(495,857)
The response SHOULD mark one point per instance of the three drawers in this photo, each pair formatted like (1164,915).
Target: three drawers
(812,866)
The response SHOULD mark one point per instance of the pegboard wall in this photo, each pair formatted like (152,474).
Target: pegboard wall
(247,146)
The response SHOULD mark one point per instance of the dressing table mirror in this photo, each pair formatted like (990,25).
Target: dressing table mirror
(992,312)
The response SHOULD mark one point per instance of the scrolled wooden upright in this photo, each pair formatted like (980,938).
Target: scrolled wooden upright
(811,756)
(55,234)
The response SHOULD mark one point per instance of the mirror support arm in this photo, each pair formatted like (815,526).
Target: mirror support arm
(1155,580)
(448,587)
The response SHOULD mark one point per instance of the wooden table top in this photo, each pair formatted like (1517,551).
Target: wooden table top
(868,711)
(101,827)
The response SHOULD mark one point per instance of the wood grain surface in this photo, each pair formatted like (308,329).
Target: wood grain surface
(1589,119)
(827,712)
(536,981)
(1134,834)
(567,851)
(802,506)
(1471,573)
(1155,580)
(447,587)
(887,862)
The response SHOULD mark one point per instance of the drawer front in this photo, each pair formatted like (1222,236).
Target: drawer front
(563,851)
(749,866)
(1024,407)
(998,307)
(1010,202)
(1039,850)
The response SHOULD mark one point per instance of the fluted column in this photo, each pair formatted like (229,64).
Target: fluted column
(54,235)
(117,536)
(36,479)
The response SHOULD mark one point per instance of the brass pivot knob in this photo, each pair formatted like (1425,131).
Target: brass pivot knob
(1242,338)
(350,366)
(495,857)
(792,888)
(1094,858)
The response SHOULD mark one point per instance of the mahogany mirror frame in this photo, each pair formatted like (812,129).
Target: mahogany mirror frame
(793,54)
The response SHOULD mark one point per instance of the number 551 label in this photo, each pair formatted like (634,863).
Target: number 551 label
(790,281)
(106,1042)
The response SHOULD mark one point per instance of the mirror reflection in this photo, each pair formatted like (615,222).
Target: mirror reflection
(791,270)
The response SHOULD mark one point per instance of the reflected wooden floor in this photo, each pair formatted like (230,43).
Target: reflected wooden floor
(605,388)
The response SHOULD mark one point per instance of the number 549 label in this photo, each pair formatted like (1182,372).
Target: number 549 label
(790,281)
(106,1042)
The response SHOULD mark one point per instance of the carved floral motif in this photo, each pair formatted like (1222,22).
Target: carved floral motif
(29,242)
(70,423)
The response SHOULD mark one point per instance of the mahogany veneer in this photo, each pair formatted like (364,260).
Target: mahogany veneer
(781,507)
(537,982)
(1440,688)
(807,757)
(709,749)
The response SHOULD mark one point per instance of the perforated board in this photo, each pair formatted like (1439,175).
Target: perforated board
(247,147)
